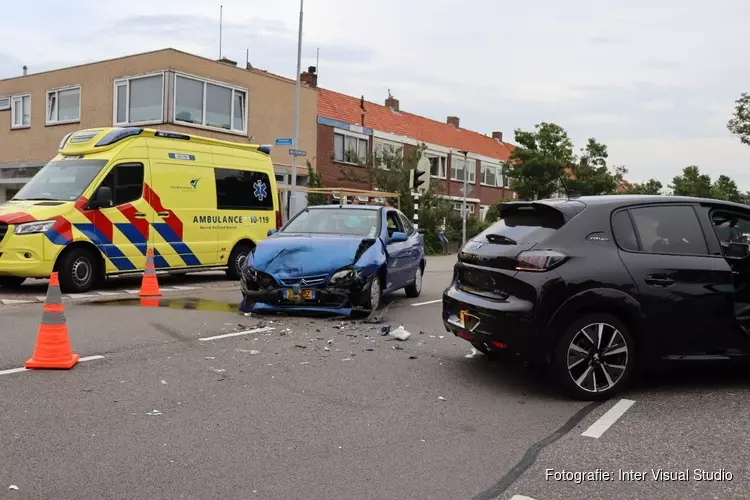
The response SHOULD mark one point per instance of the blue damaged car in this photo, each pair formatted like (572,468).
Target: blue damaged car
(335,259)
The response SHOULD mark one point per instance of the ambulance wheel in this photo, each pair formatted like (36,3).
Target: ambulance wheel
(11,282)
(236,260)
(78,271)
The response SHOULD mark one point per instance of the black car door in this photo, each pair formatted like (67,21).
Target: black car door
(685,293)
(732,228)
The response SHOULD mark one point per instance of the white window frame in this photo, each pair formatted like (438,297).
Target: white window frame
(469,160)
(458,205)
(5,108)
(433,154)
(498,174)
(385,143)
(203,125)
(345,134)
(56,93)
(125,81)
(16,98)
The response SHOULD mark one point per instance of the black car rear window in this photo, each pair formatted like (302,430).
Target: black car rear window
(526,224)
(622,228)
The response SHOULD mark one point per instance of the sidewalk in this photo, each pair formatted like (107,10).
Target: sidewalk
(440,263)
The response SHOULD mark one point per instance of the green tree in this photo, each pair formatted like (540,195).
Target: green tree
(314,181)
(651,186)
(539,161)
(590,175)
(739,124)
(724,188)
(691,183)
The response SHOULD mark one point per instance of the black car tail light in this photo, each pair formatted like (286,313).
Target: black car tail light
(539,260)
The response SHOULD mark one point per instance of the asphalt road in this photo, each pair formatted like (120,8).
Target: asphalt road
(321,408)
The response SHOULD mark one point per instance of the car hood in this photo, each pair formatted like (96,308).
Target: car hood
(307,255)
(17,212)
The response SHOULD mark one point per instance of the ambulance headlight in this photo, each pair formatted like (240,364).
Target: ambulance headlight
(41,226)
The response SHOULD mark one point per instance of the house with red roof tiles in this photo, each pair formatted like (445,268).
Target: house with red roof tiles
(351,128)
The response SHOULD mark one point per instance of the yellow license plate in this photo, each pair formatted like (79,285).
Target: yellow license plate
(291,294)
(462,317)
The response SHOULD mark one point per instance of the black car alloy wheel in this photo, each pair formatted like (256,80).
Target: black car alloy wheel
(594,357)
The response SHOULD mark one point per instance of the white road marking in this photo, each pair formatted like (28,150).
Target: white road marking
(520,497)
(186,288)
(109,294)
(237,334)
(22,369)
(41,298)
(92,358)
(13,302)
(132,291)
(426,303)
(80,296)
(605,421)
(12,370)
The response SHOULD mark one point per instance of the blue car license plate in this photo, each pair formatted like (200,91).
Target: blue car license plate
(292,294)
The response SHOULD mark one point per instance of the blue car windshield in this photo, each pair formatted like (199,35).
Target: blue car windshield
(331,221)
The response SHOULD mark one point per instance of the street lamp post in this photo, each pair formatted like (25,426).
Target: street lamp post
(295,141)
(466,186)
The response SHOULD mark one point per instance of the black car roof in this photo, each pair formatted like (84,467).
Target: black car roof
(633,199)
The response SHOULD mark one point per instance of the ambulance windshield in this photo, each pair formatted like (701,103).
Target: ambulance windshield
(63,180)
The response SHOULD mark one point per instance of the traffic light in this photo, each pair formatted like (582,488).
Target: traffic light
(414,180)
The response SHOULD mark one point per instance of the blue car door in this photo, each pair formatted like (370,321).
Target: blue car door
(397,252)
(416,248)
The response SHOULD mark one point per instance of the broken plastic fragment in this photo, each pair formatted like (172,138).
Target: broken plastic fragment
(473,353)
(441,398)
(330,341)
(326,348)
(400,333)
(164,382)
(13,487)
(154,413)
(385,330)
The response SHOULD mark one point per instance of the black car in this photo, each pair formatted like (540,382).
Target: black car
(594,287)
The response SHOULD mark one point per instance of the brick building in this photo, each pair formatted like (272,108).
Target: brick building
(165,89)
(350,129)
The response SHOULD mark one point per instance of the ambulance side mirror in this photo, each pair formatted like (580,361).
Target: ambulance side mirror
(102,198)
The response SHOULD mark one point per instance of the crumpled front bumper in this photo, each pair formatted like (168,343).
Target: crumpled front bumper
(337,299)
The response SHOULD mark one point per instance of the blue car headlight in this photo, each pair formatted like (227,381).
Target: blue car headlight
(344,276)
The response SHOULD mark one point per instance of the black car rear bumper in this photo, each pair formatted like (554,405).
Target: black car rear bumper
(506,326)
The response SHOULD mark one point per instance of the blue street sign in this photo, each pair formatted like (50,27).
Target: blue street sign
(284,141)
(297,152)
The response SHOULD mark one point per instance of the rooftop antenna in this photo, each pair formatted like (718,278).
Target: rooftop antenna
(317,62)
(221,25)
(570,193)
(247,58)
(390,96)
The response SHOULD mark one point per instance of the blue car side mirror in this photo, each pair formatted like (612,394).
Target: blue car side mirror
(399,236)
(270,232)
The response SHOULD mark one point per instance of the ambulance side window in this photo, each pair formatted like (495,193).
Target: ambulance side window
(126,183)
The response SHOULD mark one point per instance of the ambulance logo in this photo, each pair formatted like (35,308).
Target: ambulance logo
(194,183)
(259,190)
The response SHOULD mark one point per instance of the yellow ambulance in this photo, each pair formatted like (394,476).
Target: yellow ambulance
(111,193)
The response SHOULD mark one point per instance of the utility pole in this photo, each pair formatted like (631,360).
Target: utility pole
(293,189)
(465,189)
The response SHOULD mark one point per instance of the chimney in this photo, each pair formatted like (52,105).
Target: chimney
(310,77)
(391,102)
(25,70)
(227,61)
(498,136)
(454,120)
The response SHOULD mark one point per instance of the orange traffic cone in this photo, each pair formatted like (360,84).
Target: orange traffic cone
(52,343)
(150,285)
(145,302)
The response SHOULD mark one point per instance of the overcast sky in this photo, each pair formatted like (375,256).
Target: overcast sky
(655,81)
